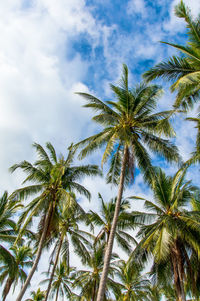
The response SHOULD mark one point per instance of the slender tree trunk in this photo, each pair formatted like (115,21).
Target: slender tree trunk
(54,267)
(180,270)
(39,251)
(94,291)
(108,253)
(7,288)
(57,294)
(176,277)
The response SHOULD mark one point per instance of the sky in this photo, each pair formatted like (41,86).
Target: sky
(50,49)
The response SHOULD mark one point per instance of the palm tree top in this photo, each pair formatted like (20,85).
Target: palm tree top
(55,179)
(168,218)
(183,70)
(53,172)
(37,296)
(130,121)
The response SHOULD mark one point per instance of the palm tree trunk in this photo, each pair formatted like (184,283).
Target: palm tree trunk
(7,288)
(178,273)
(180,270)
(176,277)
(57,294)
(94,291)
(54,267)
(39,251)
(108,253)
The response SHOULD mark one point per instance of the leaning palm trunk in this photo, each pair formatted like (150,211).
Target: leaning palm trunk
(7,288)
(108,253)
(39,251)
(54,267)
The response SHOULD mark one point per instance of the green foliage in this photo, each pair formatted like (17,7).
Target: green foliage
(174,232)
(130,121)
(13,266)
(134,287)
(87,280)
(37,296)
(54,180)
(104,221)
(62,281)
(183,70)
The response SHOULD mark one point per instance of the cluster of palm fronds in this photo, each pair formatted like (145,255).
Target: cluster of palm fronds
(161,245)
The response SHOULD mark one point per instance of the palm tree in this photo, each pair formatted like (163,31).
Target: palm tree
(155,293)
(67,227)
(104,221)
(13,270)
(173,233)
(37,296)
(62,281)
(54,178)
(183,70)
(135,287)
(88,279)
(128,125)
(7,223)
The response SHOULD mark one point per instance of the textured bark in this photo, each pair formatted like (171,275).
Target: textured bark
(180,270)
(38,255)
(53,270)
(7,288)
(176,277)
(108,253)
(94,291)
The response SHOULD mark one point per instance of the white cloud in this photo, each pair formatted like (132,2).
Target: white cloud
(136,7)
(37,82)
(175,24)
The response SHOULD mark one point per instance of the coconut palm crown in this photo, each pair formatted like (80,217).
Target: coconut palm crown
(53,178)
(125,222)
(170,232)
(130,122)
(183,70)
(13,267)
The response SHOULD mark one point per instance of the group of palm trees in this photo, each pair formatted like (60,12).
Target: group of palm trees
(161,245)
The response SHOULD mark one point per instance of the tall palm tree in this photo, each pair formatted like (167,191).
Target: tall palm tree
(11,274)
(54,178)
(183,70)
(62,281)
(88,279)
(129,124)
(104,221)
(67,230)
(37,296)
(174,231)
(135,287)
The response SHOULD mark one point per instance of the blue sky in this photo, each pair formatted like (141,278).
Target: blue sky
(50,49)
